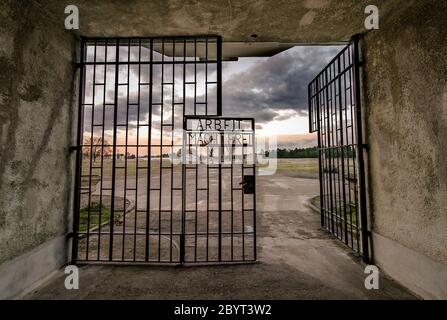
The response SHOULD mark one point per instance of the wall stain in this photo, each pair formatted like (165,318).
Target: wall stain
(35,205)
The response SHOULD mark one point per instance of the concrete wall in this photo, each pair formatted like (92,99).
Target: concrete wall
(406,110)
(36,116)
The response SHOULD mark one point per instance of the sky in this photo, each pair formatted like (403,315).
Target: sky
(272,90)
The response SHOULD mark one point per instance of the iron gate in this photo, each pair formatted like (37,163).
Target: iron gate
(335,114)
(130,194)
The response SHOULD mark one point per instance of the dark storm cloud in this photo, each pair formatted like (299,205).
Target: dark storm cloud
(274,84)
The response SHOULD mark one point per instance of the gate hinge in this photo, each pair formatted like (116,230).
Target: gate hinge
(74,148)
(78,64)
(365,146)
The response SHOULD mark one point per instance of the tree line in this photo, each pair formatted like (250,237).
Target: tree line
(348,152)
(294,153)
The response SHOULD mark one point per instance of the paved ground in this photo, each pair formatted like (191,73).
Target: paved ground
(296,261)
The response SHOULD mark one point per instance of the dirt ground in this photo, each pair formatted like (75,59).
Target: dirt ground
(296,260)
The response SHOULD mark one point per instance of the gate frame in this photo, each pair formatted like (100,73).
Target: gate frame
(361,148)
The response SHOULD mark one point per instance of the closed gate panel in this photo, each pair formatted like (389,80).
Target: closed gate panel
(131,204)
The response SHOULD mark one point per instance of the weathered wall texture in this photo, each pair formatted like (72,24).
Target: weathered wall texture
(36,110)
(302,21)
(406,101)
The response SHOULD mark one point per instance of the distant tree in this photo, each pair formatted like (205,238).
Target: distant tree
(98,147)
(294,153)
(346,152)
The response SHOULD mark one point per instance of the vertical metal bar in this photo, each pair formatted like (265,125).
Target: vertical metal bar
(126,150)
(198,160)
(354,146)
(332,153)
(149,155)
(232,199)
(323,142)
(92,155)
(184,80)
(320,152)
(219,76)
(329,150)
(348,145)
(352,158)
(360,160)
(137,155)
(182,236)
(206,76)
(115,117)
(161,147)
(320,134)
(342,151)
(324,127)
(310,106)
(182,249)
(207,204)
(195,76)
(172,147)
(337,149)
(333,145)
(253,127)
(221,158)
(243,203)
(78,170)
(102,149)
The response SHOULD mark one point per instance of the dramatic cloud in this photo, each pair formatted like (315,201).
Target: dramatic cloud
(275,84)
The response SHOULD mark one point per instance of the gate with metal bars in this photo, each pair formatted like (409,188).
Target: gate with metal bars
(135,200)
(335,114)
(219,165)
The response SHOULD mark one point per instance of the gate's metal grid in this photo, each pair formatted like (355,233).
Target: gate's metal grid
(335,113)
(220,215)
(134,94)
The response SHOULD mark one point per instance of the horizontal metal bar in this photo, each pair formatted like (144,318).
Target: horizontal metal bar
(88,63)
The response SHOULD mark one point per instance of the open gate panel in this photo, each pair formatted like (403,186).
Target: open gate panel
(335,114)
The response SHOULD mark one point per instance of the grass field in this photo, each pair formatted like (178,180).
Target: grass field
(297,165)
(301,165)
(95,209)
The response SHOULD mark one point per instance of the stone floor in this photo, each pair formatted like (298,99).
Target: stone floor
(297,260)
